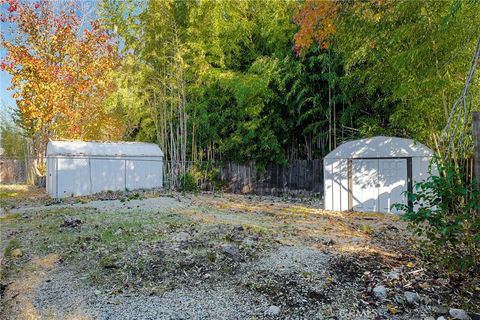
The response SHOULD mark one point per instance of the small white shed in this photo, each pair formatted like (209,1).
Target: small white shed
(78,168)
(371,174)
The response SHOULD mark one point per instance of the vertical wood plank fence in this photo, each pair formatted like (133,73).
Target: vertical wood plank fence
(299,177)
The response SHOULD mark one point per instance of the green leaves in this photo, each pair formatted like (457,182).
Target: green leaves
(446,210)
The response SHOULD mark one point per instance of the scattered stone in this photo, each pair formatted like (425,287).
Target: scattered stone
(380,292)
(118,232)
(440,310)
(69,222)
(441,318)
(273,311)
(458,314)
(182,236)
(97,292)
(16,253)
(237,227)
(411,297)
(329,242)
(429,318)
(188,262)
(248,242)
(393,275)
(231,250)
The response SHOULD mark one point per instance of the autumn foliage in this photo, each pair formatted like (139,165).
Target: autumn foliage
(316,21)
(60,66)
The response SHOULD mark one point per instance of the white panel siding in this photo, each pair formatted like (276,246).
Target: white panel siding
(342,178)
(392,178)
(365,185)
(328,183)
(336,185)
(143,174)
(107,175)
(72,177)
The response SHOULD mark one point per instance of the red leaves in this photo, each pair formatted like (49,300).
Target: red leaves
(12,5)
(316,20)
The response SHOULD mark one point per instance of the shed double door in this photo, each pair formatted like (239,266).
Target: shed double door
(378,183)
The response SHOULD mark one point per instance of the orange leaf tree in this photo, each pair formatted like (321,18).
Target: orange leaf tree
(316,21)
(61,72)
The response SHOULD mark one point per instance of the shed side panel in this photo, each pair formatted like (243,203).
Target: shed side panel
(342,177)
(72,177)
(328,178)
(49,179)
(339,172)
(143,174)
(107,175)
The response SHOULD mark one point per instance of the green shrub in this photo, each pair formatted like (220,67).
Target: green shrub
(188,183)
(446,212)
(201,175)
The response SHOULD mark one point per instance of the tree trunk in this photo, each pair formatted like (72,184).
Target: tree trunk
(476,141)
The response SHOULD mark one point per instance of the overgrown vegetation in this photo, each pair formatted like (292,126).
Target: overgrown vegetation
(446,211)
(201,176)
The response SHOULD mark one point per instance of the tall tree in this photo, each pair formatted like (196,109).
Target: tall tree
(402,58)
(60,72)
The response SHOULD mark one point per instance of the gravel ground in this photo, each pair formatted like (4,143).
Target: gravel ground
(65,296)
(208,257)
(199,302)
(149,204)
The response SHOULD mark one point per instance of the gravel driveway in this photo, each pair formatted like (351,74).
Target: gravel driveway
(209,257)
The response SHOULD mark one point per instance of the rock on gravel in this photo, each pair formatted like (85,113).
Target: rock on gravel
(393,275)
(69,222)
(182,236)
(231,250)
(411,297)
(273,311)
(380,292)
(458,314)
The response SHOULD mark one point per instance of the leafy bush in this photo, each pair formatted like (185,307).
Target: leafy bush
(446,212)
(202,175)
(188,183)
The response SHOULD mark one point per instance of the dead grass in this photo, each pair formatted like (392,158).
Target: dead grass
(136,250)
(15,195)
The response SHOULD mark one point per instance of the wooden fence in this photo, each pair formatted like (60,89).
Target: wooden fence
(299,177)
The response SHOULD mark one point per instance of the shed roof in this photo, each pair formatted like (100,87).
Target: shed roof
(91,148)
(380,147)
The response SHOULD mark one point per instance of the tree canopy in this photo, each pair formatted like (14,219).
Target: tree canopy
(242,80)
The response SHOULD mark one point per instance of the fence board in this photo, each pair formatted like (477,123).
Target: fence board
(298,177)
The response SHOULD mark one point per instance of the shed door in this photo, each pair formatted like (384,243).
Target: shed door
(365,184)
(392,177)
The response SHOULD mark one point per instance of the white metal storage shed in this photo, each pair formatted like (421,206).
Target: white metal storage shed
(78,168)
(370,175)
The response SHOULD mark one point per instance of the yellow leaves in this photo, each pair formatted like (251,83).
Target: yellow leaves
(61,76)
(392,309)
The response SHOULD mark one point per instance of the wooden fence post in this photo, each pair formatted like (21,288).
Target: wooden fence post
(476,143)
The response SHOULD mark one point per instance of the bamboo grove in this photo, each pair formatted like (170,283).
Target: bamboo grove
(240,80)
